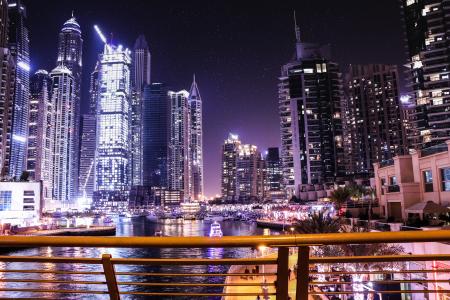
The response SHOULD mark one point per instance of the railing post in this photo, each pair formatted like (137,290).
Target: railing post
(110,276)
(283,273)
(302,273)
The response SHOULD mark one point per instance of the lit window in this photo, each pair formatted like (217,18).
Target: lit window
(428,180)
(308,71)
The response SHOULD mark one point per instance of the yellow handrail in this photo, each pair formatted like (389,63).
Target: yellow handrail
(227,241)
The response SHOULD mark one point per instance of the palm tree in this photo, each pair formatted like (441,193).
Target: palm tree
(339,197)
(319,223)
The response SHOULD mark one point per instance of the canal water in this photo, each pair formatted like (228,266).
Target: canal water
(131,227)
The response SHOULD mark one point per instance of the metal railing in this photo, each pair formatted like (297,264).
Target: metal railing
(314,275)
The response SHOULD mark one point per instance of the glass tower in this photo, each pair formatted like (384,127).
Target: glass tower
(113,146)
(19,47)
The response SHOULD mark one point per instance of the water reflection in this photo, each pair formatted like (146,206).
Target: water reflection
(135,227)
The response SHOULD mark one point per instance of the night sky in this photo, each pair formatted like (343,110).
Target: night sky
(235,48)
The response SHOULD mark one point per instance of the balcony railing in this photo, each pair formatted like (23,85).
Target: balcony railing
(314,275)
(393,188)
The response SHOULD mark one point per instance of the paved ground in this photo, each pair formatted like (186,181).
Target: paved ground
(258,279)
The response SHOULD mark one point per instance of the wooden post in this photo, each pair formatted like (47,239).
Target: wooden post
(302,273)
(110,276)
(283,273)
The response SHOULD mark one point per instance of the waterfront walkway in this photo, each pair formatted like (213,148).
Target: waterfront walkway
(259,279)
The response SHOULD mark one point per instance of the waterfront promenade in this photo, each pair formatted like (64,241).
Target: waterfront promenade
(258,279)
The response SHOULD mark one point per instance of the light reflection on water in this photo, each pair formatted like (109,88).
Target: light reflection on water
(136,227)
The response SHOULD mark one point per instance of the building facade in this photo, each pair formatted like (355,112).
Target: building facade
(274,179)
(374,129)
(179,170)
(196,141)
(156,119)
(19,47)
(64,139)
(230,151)
(70,50)
(113,134)
(309,97)
(428,54)
(250,174)
(87,157)
(41,132)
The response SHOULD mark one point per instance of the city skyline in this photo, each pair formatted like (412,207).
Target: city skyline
(226,73)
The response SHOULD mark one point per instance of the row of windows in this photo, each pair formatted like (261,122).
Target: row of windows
(428,180)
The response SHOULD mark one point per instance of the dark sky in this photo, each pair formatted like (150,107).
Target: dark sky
(235,48)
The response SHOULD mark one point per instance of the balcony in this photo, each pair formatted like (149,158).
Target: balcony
(314,275)
(393,188)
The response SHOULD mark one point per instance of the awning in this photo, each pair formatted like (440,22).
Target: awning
(426,208)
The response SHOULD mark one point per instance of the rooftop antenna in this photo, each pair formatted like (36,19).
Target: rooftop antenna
(297,29)
(72,13)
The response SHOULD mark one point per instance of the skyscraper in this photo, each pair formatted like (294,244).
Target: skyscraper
(179,162)
(309,97)
(70,45)
(196,141)
(250,173)
(426,25)
(274,182)
(113,145)
(373,118)
(19,47)
(88,141)
(156,118)
(41,131)
(141,70)
(7,73)
(64,139)
(230,150)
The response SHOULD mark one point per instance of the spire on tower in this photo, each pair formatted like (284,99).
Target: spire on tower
(194,92)
(297,29)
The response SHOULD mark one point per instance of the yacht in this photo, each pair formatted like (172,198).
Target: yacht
(216,230)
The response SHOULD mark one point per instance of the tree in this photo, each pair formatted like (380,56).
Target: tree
(339,197)
(319,223)
(24,176)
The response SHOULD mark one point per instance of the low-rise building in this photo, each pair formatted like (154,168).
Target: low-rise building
(404,181)
(20,202)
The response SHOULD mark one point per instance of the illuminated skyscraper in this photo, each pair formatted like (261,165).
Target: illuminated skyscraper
(196,141)
(113,147)
(64,139)
(230,151)
(40,131)
(155,138)
(88,141)
(7,73)
(274,180)
(250,173)
(179,162)
(426,26)
(19,47)
(140,78)
(309,98)
(372,114)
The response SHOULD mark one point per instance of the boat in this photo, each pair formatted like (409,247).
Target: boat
(124,215)
(216,230)
(213,218)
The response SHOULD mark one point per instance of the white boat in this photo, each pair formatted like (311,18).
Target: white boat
(216,230)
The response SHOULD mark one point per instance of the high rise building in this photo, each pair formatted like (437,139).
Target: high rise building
(156,118)
(40,132)
(140,78)
(196,141)
(250,173)
(70,46)
(87,156)
(373,118)
(309,97)
(19,47)
(426,27)
(274,180)
(230,151)
(7,73)
(141,63)
(88,142)
(64,139)
(179,162)
(113,141)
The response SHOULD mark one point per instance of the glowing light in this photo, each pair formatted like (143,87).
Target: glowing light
(100,34)
(19,138)
(24,66)
(404,98)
